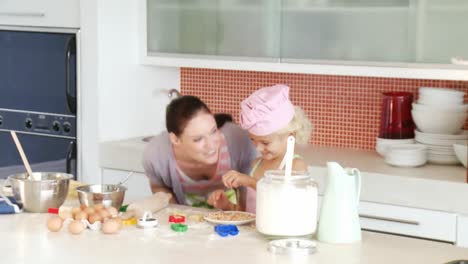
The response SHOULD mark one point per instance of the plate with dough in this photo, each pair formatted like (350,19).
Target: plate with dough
(230,217)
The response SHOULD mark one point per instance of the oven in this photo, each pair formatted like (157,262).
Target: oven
(38,90)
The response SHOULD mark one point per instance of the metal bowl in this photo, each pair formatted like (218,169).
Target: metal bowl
(48,190)
(106,194)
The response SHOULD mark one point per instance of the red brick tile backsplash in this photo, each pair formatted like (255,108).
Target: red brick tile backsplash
(344,110)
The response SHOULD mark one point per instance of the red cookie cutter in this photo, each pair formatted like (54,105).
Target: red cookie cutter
(176,219)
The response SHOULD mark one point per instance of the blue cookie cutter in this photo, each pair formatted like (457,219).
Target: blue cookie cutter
(225,230)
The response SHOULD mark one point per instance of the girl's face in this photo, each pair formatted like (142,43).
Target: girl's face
(271,146)
(200,139)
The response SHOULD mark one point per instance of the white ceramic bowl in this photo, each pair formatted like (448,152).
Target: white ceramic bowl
(439,122)
(383,143)
(443,108)
(461,151)
(439,102)
(407,155)
(440,96)
(444,92)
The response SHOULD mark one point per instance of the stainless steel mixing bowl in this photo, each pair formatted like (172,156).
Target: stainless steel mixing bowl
(49,190)
(106,194)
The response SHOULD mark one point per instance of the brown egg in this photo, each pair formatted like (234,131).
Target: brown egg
(111,226)
(54,223)
(90,210)
(76,227)
(104,213)
(81,216)
(65,214)
(94,217)
(112,211)
(98,207)
(75,210)
(119,221)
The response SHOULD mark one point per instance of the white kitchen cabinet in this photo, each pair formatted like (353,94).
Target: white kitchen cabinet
(40,13)
(408,221)
(389,38)
(415,222)
(462,231)
(138,186)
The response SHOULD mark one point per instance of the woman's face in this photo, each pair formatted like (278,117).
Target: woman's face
(200,139)
(271,146)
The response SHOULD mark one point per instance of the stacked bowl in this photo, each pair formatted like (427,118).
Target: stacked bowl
(439,116)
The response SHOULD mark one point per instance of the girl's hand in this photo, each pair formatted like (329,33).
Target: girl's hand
(234,179)
(218,200)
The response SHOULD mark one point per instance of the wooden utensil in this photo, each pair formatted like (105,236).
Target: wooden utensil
(21,152)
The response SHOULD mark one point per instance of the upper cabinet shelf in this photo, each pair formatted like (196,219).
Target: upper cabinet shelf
(391,38)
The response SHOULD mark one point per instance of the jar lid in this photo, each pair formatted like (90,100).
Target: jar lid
(292,246)
(147,221)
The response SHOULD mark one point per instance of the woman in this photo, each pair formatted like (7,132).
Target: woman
(190,159)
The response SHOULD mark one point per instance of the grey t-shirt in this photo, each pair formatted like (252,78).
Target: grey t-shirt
(161,168)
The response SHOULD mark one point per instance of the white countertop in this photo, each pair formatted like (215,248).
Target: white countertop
(25,239)
(434,187)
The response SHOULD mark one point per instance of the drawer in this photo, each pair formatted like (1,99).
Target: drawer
(408,221)
(40,13)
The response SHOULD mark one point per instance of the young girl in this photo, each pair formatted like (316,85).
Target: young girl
(269,117)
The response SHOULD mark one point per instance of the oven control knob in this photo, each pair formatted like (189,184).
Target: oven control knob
(56,126)
(66,127)
(1,120)
(28,123)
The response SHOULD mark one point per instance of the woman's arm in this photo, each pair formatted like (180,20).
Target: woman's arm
(158,188)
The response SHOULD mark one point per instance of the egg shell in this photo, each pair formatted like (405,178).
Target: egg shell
(111,226)
(54,223)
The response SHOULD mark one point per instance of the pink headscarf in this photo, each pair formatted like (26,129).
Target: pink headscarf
(267,110)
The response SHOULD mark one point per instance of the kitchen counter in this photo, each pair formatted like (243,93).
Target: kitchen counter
(26,240)
(434,187)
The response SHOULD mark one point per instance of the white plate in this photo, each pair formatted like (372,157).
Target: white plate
(230,222)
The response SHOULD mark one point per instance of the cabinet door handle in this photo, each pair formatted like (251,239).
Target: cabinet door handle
(389,219)
(21,14)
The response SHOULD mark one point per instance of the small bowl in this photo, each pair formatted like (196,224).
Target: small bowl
(461,151)
(407,155)
(382,144)
(106,194)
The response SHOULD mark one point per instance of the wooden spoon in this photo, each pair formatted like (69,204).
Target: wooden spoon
(21,152)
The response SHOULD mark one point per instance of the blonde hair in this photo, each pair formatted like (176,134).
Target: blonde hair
(300,126)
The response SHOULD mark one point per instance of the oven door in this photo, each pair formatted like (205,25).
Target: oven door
(44,153)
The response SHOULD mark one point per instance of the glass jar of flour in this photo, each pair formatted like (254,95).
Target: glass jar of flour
(286,206)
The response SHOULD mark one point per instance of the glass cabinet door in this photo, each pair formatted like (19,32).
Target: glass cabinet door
(407,31)
(231,28)
(443,30)
(356,30)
